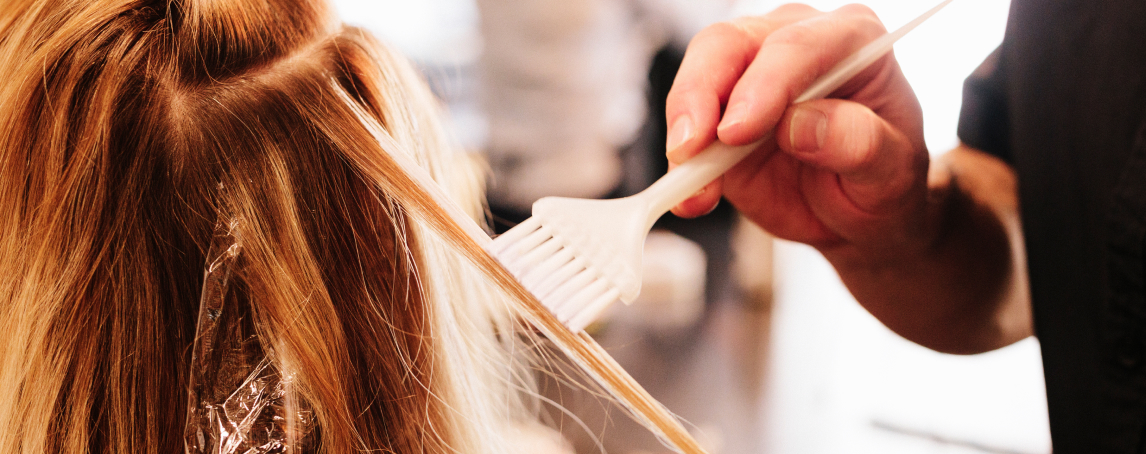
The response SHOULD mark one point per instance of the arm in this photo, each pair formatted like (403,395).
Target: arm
(926,248)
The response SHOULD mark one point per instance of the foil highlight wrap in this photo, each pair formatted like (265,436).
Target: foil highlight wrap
(239,400)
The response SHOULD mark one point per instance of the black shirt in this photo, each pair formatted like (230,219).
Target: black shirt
(1063,100)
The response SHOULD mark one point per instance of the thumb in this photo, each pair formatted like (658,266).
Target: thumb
(874,162)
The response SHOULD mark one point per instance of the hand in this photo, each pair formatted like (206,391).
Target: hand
(847,175)
(935,257)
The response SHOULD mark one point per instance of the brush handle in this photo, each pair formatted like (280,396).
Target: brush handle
(688,178)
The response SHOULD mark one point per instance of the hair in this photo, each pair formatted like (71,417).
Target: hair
(221,230)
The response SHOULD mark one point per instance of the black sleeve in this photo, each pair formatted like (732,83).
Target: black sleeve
(983,120)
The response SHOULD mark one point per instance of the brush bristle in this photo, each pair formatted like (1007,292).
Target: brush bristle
(568,285)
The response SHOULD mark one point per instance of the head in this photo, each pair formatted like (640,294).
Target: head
(198,195)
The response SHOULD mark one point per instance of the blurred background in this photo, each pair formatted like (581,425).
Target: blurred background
(754,342)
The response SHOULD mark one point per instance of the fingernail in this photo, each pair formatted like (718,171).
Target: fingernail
(808,129)
(734,115)
(680,133)
(711,208)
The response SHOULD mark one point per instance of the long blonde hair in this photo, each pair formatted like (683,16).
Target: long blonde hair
(129,132)
(208,206)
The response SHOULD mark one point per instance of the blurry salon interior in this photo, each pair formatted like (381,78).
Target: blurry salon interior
(754,342)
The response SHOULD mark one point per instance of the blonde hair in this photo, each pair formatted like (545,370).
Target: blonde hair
(143,141)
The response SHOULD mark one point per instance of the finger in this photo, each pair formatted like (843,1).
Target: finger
(788,61)
(701,203)
(876,163)
(714,61)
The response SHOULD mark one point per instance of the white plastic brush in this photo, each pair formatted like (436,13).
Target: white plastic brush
(578,256)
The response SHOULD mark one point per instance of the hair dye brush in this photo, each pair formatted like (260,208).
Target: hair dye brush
(578,256)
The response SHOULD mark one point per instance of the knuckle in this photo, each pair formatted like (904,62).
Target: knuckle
(799,34)
(853,21)
(723,31)
(711,31)
(685,89)
(858,9)
(866,22)
(794,8)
